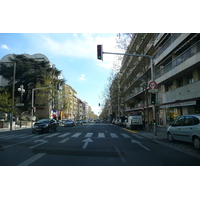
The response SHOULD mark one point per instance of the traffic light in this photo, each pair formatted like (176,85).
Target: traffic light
(153,98)
(100,52)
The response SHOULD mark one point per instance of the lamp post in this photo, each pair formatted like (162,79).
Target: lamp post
(21,90)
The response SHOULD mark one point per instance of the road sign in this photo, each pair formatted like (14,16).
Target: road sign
(153,90)
(153,85)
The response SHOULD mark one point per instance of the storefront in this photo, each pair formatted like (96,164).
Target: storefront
(169,112)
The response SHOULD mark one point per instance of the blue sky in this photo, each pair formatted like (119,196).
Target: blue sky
(73,53)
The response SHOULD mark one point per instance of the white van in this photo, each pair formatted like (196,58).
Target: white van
(134,122)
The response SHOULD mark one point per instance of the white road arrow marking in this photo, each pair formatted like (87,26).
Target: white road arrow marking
(139,143)
(86,142)
(42,142)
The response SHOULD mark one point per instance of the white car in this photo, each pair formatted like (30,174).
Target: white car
(185,128)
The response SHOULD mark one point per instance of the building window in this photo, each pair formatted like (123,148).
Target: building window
(180,82)
(190,78)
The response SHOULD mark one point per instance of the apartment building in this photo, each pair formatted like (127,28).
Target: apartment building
(70,96)
(134,75)
(176,60)
(177,72)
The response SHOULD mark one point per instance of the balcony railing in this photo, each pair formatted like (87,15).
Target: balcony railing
(167,44)
(194,49)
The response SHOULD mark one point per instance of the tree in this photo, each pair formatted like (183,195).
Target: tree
(5,101)
(29,73)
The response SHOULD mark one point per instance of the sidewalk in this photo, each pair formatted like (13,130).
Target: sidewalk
(14,128)
(160,131)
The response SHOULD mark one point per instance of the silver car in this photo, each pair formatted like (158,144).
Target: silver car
(185,128)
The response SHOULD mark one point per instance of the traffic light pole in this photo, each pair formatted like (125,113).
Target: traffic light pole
(152,77)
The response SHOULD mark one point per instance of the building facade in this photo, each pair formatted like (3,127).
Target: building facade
(176,60)
(71,109)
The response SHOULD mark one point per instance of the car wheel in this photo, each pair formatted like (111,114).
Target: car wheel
(196,143)
(170,137)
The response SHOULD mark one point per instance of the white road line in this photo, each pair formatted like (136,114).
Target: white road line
(37,136)
(76,134)
(113,135)
(25,136)
(32,159)
(89,135)
(137,136)
(125,135)
(101,135)
(120,155)
(63,135)
(63,141)
(52,135)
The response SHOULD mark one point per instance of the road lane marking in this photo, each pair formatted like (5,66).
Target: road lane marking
(39,135)
(89,135)
(101,135)
(25,136)
(120,155)
(32,159)
(42,142)
(76,134)
(52,135)
(64,140)
(113,135)
(139,143)
(140,137)
(63,135)
(125,135)
(86,142)
(15,144)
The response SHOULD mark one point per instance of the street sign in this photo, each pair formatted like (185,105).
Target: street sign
(19,104)
(153,90)
(153,85)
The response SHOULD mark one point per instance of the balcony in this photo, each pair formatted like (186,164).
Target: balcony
(179,60)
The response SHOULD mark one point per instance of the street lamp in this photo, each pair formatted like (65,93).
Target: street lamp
(21,90)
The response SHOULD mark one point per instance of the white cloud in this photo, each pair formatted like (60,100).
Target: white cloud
(82,77)
(4,46)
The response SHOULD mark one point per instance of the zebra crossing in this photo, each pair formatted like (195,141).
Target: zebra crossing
(72,135)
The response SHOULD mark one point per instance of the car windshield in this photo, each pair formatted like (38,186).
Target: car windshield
(43,121)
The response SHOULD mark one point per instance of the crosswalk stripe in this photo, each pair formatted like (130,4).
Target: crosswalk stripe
(126,136)
(113,135)
(89,135)
(37,136)
(25,136)
(63,135)
(101,135)
(52,135)
(64,140)
(76,134)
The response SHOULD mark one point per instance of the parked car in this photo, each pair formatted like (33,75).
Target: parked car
(84,121)
(79,121)
(185,128)
(44,126)
(69,122)
(97,121)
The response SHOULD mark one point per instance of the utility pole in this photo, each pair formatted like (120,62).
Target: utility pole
(13,97)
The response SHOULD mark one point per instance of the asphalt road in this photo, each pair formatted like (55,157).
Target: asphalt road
(88,145)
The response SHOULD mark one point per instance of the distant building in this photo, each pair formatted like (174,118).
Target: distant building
(71,109)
